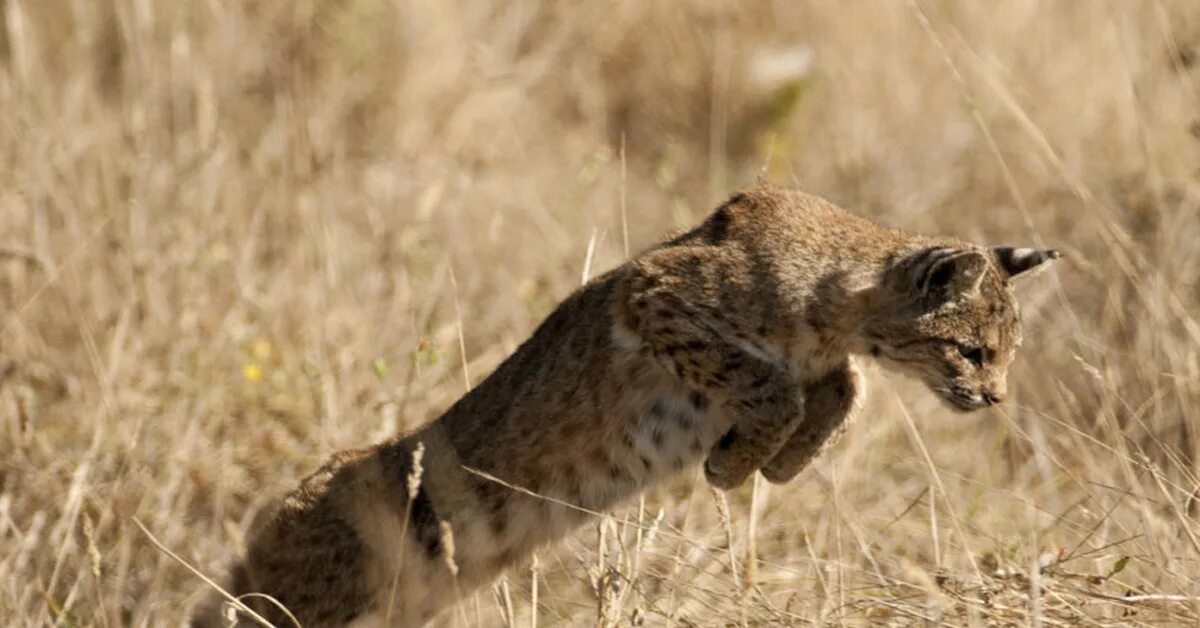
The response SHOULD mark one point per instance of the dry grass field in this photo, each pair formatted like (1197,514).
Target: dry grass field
(236,236)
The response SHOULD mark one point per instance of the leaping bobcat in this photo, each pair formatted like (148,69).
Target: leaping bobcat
(733,340)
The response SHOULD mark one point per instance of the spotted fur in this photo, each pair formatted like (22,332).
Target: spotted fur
(732,344)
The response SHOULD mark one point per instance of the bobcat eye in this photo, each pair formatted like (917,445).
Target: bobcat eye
(974,355)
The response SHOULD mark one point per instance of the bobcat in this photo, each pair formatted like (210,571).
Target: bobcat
(731,343)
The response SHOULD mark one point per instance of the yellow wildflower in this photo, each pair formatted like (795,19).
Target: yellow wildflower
(252,372)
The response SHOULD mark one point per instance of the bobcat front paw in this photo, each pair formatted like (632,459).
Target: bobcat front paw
(793,458)
(725,470)
(779,473)
(720,478)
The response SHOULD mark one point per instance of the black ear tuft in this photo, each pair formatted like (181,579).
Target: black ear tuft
(1016,261)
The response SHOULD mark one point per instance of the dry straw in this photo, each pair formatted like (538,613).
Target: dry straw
(182,183)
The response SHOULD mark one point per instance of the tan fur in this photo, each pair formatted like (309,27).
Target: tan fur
(732,341)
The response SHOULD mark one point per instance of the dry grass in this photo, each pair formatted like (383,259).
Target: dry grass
(236,236)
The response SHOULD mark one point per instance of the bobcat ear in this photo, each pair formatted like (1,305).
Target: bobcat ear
(951,273)
(1015,261)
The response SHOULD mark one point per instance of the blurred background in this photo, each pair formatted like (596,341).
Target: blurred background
(237,236)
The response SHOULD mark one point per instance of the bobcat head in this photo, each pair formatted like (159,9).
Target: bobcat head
(947,316)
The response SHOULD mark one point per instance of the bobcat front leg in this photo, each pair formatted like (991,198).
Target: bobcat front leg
(830,403)
(699,347)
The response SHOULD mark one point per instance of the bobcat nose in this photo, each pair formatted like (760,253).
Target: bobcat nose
(994,397)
